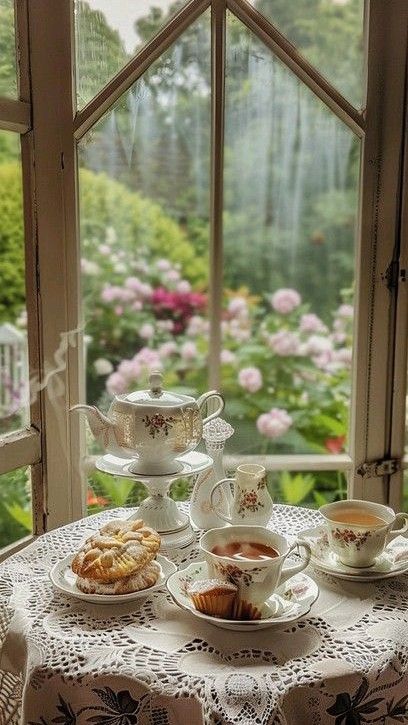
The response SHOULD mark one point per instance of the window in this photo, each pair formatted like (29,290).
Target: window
(217,193)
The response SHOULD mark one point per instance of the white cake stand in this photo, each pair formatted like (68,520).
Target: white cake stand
(158,510)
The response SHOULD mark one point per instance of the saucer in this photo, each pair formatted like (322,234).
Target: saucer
(64,579)
(290,602)
(392,562)
(191,464)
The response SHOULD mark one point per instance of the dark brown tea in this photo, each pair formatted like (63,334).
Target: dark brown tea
(245,550)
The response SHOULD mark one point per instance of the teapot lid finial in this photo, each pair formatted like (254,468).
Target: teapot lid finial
(156,382)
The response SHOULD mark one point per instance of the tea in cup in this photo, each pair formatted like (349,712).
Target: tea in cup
(252,503)
(358,531)
(252,558)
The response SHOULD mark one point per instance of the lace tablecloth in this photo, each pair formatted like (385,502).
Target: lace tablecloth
(66,661)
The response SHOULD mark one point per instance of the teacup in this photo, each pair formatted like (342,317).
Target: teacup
(252,503)
(256,579)
(358,531)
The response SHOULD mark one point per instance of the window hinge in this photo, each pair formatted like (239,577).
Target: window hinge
(376,469)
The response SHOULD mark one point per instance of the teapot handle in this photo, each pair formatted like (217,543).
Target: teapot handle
(205,398)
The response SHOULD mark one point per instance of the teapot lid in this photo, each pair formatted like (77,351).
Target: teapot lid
(155,395)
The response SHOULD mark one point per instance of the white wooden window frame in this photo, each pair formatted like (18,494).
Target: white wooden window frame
(50,127)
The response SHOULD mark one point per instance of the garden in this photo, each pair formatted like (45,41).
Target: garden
(291,187)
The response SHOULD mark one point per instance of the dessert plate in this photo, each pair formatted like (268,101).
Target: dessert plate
(290,602)
(64,579)
(392,562)
(191,463)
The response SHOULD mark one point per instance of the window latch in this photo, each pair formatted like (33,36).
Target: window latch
(376,469)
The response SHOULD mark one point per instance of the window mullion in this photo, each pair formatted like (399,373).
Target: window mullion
(375,323)
(218,33)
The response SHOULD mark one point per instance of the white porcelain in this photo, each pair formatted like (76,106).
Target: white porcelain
(290,602)
(158,509)
(64,579)
(202,514)
(252,503)
(152,426)
(256,579)
(393,561)
(358,545)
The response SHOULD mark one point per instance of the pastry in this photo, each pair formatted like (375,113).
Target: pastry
(213,596)
(119,550)
(245,610)
(143,579)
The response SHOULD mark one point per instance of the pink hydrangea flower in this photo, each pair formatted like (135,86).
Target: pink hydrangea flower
(129,369)
(118,310)
(148,357)
(311,323)
(104,249)
(146,331)
(275,423)
(345,311)
(116,384)
(163,265)
(133,283)
(284,343)
(250,379)
(167,349)
(317,345)
(227,357)
(344,355)
(172,275)
(188,351)
(285,300)
(197,326)
(184,286)
(238,307)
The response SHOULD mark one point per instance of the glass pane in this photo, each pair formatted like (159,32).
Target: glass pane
(15,506)
(109,33)
(291,191)
(307,488)
(144,198)
(8,73)
(13,338)
(329,33)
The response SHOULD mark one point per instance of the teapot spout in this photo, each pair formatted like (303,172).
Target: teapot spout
(101,426)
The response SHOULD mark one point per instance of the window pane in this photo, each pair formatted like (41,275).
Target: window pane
(307,488)
(329,33)
(8,74)
(291,189)
(109,33)
(144,198)
(13,339)
(15,506)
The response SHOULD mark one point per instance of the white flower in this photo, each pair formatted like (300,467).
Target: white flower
(103,366)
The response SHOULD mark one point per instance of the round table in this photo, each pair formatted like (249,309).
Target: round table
(150,663)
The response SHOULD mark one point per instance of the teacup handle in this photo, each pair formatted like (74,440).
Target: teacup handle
(205,398)
(289,571)
(219,513)
(402,530)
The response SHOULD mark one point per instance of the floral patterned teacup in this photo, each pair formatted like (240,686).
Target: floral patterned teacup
(256,579)
(252,503)
(358,543)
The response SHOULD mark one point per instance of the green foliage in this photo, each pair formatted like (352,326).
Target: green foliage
(100,52)
(15,506)
(294,489)
(12,287)
(8,83)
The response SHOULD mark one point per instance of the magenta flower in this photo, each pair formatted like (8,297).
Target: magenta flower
(275,423)
(250,379)
(285,300)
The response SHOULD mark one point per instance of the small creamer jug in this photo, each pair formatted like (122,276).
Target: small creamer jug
(252,503)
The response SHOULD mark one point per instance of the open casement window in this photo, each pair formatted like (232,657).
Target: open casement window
(215,188)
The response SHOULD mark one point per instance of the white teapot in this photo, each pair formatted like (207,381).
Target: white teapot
(153,426)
